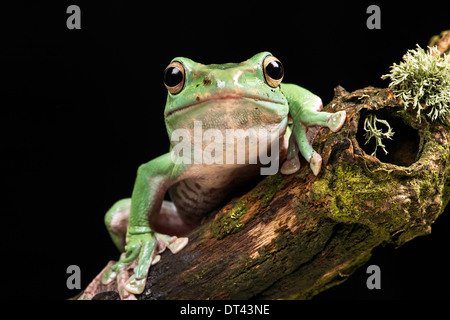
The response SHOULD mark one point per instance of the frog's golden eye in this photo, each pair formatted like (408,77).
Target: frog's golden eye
(174,77)
(273,71)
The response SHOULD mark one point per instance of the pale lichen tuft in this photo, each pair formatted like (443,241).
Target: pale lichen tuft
(372,131)
(422,82)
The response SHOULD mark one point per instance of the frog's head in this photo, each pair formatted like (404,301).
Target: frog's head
(225,96)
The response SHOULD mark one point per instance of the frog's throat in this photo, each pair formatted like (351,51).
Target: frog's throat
(222,97)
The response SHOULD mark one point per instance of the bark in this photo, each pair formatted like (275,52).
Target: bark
(442,42)
(292,237)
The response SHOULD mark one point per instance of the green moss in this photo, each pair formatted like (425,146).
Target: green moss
(230,222)
(268,188)
(319,190)
(354,197)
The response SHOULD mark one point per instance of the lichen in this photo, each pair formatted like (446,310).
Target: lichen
(372,131)
(422,81)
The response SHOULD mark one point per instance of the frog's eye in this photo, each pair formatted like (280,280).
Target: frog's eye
(273,71)
(174,77)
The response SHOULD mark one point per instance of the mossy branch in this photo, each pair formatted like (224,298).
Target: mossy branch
(292,237)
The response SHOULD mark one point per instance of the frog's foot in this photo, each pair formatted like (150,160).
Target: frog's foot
(142,251)
(336,120)
(292,165)
(141,245)
(136,283)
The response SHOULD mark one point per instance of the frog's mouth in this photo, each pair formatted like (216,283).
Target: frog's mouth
(221,97)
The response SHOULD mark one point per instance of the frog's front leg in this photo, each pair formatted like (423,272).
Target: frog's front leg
(305,110)
(140,243)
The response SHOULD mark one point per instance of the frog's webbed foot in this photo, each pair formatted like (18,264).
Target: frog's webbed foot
(142,252)
(142,249)
(292,162)
(305,128)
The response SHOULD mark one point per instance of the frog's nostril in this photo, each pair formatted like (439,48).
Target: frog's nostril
(206,81)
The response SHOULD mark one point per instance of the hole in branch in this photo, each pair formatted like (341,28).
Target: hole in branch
(402,148)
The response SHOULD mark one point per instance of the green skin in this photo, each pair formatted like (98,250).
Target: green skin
(232,95)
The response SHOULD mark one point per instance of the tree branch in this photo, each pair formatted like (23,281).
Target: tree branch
(292,237)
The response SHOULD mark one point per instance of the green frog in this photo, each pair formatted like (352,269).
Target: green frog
(236,100)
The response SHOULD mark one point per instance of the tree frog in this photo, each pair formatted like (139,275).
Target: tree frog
(217,98)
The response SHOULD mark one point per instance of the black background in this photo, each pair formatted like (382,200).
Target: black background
(82,109)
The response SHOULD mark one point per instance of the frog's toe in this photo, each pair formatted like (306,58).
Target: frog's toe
(135,286)
(125,285)
(175,244)
(178,244)
(315,163)
(290,166)
(336,120)
(156,259)
(108,276)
